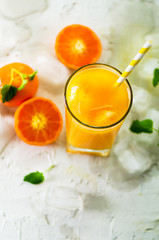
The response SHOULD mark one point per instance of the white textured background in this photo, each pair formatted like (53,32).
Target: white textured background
(83,197)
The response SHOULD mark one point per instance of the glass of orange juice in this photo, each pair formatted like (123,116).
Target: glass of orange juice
(95,109)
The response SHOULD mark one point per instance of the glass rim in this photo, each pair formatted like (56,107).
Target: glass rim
(87,125)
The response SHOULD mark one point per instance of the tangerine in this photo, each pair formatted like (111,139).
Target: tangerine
(38,121)
(15,77)
(77,45)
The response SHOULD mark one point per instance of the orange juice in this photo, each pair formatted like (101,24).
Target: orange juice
(95,109)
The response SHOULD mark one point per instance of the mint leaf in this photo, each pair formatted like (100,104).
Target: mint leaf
(145,126)
(34,177)
(8,92)
(31,76)
(155,79)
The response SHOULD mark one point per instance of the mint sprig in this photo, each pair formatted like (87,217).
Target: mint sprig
(8,92)
(36,177)
(155,79)
(31,76)
(145,126)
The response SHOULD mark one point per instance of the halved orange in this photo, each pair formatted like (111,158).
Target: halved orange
(77,45)
(38,121)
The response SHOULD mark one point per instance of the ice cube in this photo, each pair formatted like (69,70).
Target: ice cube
(144,138)
(57,73)
(133,158)
(73,93)
(141,100)
(145,75)
(154,115)
(149,66)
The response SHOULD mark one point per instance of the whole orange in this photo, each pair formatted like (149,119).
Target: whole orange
(10,75)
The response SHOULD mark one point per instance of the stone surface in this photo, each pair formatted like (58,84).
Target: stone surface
(83,197)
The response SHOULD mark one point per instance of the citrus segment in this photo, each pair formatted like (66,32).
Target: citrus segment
(77,45)
(38,121)
(103,116)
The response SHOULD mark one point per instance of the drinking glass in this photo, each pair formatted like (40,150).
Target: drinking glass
(85,138)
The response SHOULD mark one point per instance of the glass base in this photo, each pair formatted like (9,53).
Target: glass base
(103,153)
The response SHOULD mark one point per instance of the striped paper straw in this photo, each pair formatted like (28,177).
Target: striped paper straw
(134,62)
